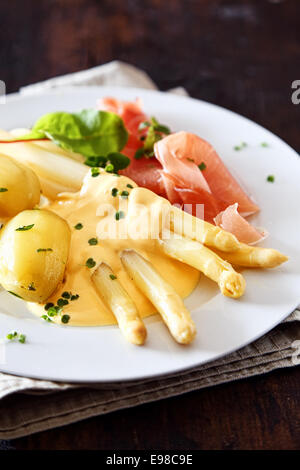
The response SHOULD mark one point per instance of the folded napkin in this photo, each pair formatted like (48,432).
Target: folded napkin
(28,406)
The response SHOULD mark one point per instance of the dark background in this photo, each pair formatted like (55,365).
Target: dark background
(242,55)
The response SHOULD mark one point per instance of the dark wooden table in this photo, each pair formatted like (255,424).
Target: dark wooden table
(243,55)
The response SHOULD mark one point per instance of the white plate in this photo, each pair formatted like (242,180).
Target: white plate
(223,324)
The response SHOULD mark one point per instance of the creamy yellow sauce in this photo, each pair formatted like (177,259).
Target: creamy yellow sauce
(95,208)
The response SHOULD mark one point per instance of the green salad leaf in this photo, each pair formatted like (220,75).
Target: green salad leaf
(89,132)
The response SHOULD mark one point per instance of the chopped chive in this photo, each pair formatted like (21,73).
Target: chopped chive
(52,312)
(202,166)
(46,318)
(271,178)
(78,226)
(113,277)
(241,146)
(62,302)
(74,297)
(93,241)
(119,215)
(109,168)
(129,186)
(114,192)
(66,295)
(48,305)
(124,194)
(39,250)
(65,318)
(95,172)
(22,338)
(24,228)
(3,190)
(11,336)
(264,144)
(90,263)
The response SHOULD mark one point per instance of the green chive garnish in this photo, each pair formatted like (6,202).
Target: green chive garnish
(90,263)
(22,339)
(62,302)
(93,241)
(12,335)
(3,190)
(124,194)
(264,144)
(119,215)
(39,250)
(271,178)
(66,295)
(109,168)
(46,318)
(74,297)
(129,186)
(113,277)
(52,312)
(24,228)
(78,226)
(65,318)
(202,166)
(95,172)
(48,305)
(114,192)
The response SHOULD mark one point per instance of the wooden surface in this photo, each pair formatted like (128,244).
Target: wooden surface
(242,55)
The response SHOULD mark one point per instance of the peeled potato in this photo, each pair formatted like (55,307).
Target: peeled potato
(33,259)
(19,187)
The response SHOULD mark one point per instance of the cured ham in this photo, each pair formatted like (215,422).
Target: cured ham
(231,221)
(181,154)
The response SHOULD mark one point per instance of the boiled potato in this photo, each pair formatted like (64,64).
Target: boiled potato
(19,187)
(34,248)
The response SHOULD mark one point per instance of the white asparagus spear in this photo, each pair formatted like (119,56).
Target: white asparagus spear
(254,257)
(47,145)
(163,296)
(116,298)
(186,225)
(231,283)
(63,171)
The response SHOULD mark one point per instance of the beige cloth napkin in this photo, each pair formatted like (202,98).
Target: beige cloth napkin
(28,406)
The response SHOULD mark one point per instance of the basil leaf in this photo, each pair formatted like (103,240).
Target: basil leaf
(89,132)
